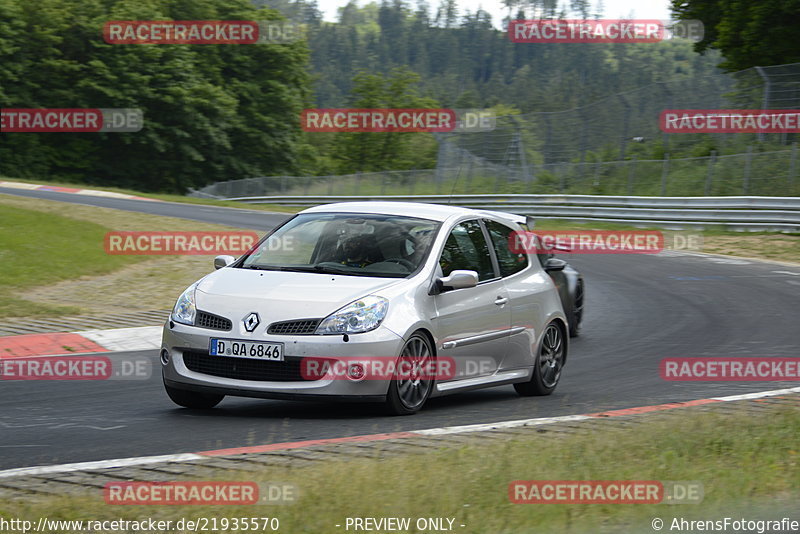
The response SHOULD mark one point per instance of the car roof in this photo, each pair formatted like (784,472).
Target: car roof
(436,212)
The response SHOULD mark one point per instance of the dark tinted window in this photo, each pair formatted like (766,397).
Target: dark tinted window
(466,249)
(510,262)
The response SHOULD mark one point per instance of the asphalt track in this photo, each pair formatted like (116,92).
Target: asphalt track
(640,309)
(240,218)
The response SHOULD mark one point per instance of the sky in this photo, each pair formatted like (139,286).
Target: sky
(643,9)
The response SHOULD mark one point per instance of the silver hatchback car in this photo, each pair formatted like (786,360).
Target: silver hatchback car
(370,301)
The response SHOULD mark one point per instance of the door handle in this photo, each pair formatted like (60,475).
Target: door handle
(501,300)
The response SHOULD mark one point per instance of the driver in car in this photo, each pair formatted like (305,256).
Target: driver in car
(356,252)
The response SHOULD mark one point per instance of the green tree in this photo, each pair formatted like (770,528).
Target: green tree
(747,32)
(376,151)
(211,112)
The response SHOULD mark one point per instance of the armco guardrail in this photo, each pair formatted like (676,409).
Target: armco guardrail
(734,213)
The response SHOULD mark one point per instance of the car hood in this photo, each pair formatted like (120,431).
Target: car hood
(281,296)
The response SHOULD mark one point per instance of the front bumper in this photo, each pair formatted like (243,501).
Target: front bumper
(193,342)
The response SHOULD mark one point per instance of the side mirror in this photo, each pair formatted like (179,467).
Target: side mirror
(530,222)
(458,280)
(554,264)
(223,261)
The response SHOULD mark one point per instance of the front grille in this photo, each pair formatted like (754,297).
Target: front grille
(244,368)
(211,321)
(298,327)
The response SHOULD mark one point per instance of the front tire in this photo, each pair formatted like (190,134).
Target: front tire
(547,368)
(193,399)
(407,394)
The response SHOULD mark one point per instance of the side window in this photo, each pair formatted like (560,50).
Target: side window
(510,262)
(466,248)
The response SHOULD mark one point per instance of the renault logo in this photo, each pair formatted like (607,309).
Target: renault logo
(251,322)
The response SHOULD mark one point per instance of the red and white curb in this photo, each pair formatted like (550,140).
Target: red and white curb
(89,341)
(191,457)
(76,191)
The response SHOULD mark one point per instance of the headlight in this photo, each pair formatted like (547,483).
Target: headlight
(360,316)
(185,310)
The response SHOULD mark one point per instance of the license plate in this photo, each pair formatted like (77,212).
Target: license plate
(257,350)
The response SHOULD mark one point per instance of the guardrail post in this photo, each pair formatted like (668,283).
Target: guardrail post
(596,182)
(793,164)
(747,161)
(710,174)
(631,171)
(469,176)
(547,139)
(358,183)
(625,123)
(330,185)
(664,173)
(765,100)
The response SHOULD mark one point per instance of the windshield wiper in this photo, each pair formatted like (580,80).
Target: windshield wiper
(327,268)
(334,269)
(294,268)
(276,268)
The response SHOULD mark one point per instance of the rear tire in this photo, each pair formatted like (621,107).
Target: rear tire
(407,395)
(576,313)
(547,368)
(193,399)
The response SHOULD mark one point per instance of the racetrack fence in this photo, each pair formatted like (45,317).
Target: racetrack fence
(770,173)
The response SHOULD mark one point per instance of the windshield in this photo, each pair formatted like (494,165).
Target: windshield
(349,244)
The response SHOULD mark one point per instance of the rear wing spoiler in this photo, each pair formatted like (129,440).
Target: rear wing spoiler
(527,221)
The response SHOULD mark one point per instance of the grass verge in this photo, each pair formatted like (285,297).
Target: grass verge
(748,464)
(37,249)
(54,264)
